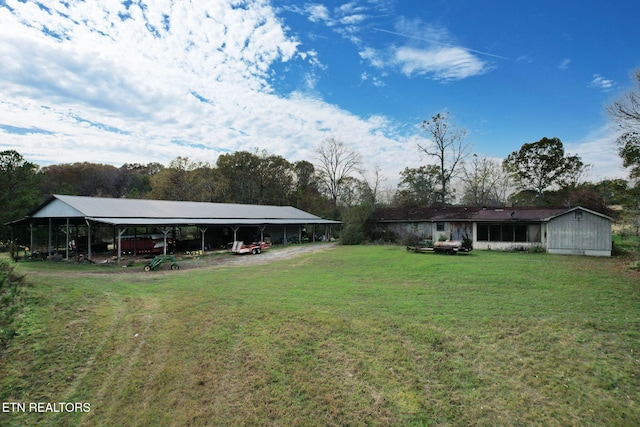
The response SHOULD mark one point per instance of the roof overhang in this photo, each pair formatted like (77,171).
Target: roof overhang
(166,222)
(78,210)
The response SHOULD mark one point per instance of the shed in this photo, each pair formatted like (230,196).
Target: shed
(579,231)
(126,215)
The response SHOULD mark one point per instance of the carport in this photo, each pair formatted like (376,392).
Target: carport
(165,215)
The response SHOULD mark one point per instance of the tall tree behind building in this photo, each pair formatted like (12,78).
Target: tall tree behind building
(626,113)
(19,188)
(542,166)
(447,146)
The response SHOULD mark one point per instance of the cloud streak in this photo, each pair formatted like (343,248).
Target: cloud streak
(606,85)
(443,44)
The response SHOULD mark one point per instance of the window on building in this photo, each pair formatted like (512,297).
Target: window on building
(483,233)
(508,232)
(440,226)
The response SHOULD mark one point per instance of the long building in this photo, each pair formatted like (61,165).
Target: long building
(220,223)
(576,230)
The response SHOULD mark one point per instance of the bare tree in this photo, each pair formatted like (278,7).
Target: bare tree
(373,186)
(626,112)
(337,163)
(447,146)
(484,182)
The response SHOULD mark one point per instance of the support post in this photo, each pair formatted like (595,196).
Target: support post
(88,238)
(262,227)
(120,233)
(50,238)
(30,237)
(135,241)
(165,231)
(235,232)
(67,241)
(13,246)
(203,230)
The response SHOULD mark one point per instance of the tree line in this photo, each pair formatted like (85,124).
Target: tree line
(335,185)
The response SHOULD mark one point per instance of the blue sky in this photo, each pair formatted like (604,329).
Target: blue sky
(137,82)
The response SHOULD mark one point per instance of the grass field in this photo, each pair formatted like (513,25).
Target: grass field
(364,335)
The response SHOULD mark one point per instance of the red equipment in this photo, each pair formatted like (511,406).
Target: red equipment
(253,248)
(145,244)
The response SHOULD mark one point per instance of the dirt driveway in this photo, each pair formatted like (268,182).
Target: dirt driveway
(211,260)
(269,255)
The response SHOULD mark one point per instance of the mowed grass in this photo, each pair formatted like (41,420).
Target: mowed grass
(367,335)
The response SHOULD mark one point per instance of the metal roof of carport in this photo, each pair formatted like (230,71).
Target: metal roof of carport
(139,212)
(135,222)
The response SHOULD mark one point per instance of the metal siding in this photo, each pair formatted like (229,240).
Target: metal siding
(566,234)
(460,230)
(423,230)
(57,209)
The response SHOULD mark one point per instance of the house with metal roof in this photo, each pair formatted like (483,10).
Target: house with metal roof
(69,213)
(575,230)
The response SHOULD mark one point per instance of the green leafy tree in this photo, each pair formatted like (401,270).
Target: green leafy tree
(275,180)
(240,169)
(541,166)
(419,187)
(82,179)
(626,113)
(175,182)
(208,184)
(135,181)
(19,188)
(629,150)
(257,178)
(306,193)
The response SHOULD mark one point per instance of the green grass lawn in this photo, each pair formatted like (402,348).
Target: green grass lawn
(364,335)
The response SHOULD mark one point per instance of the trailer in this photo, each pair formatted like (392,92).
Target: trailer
(145,244)
(422,246)
(254,248)
(450,247)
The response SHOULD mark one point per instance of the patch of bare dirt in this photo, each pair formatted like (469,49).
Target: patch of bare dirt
(130,264)
(267,256)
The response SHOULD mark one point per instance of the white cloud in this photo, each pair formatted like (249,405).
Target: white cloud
(427,50)
(113,85)
(600,82)
(599,150)
(318,13)
(374,57)
(352,19)
(564,65)
(442,63)
(376,81)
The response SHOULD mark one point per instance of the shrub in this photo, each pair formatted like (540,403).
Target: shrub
(352,234)
(537,250)
(10,287)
